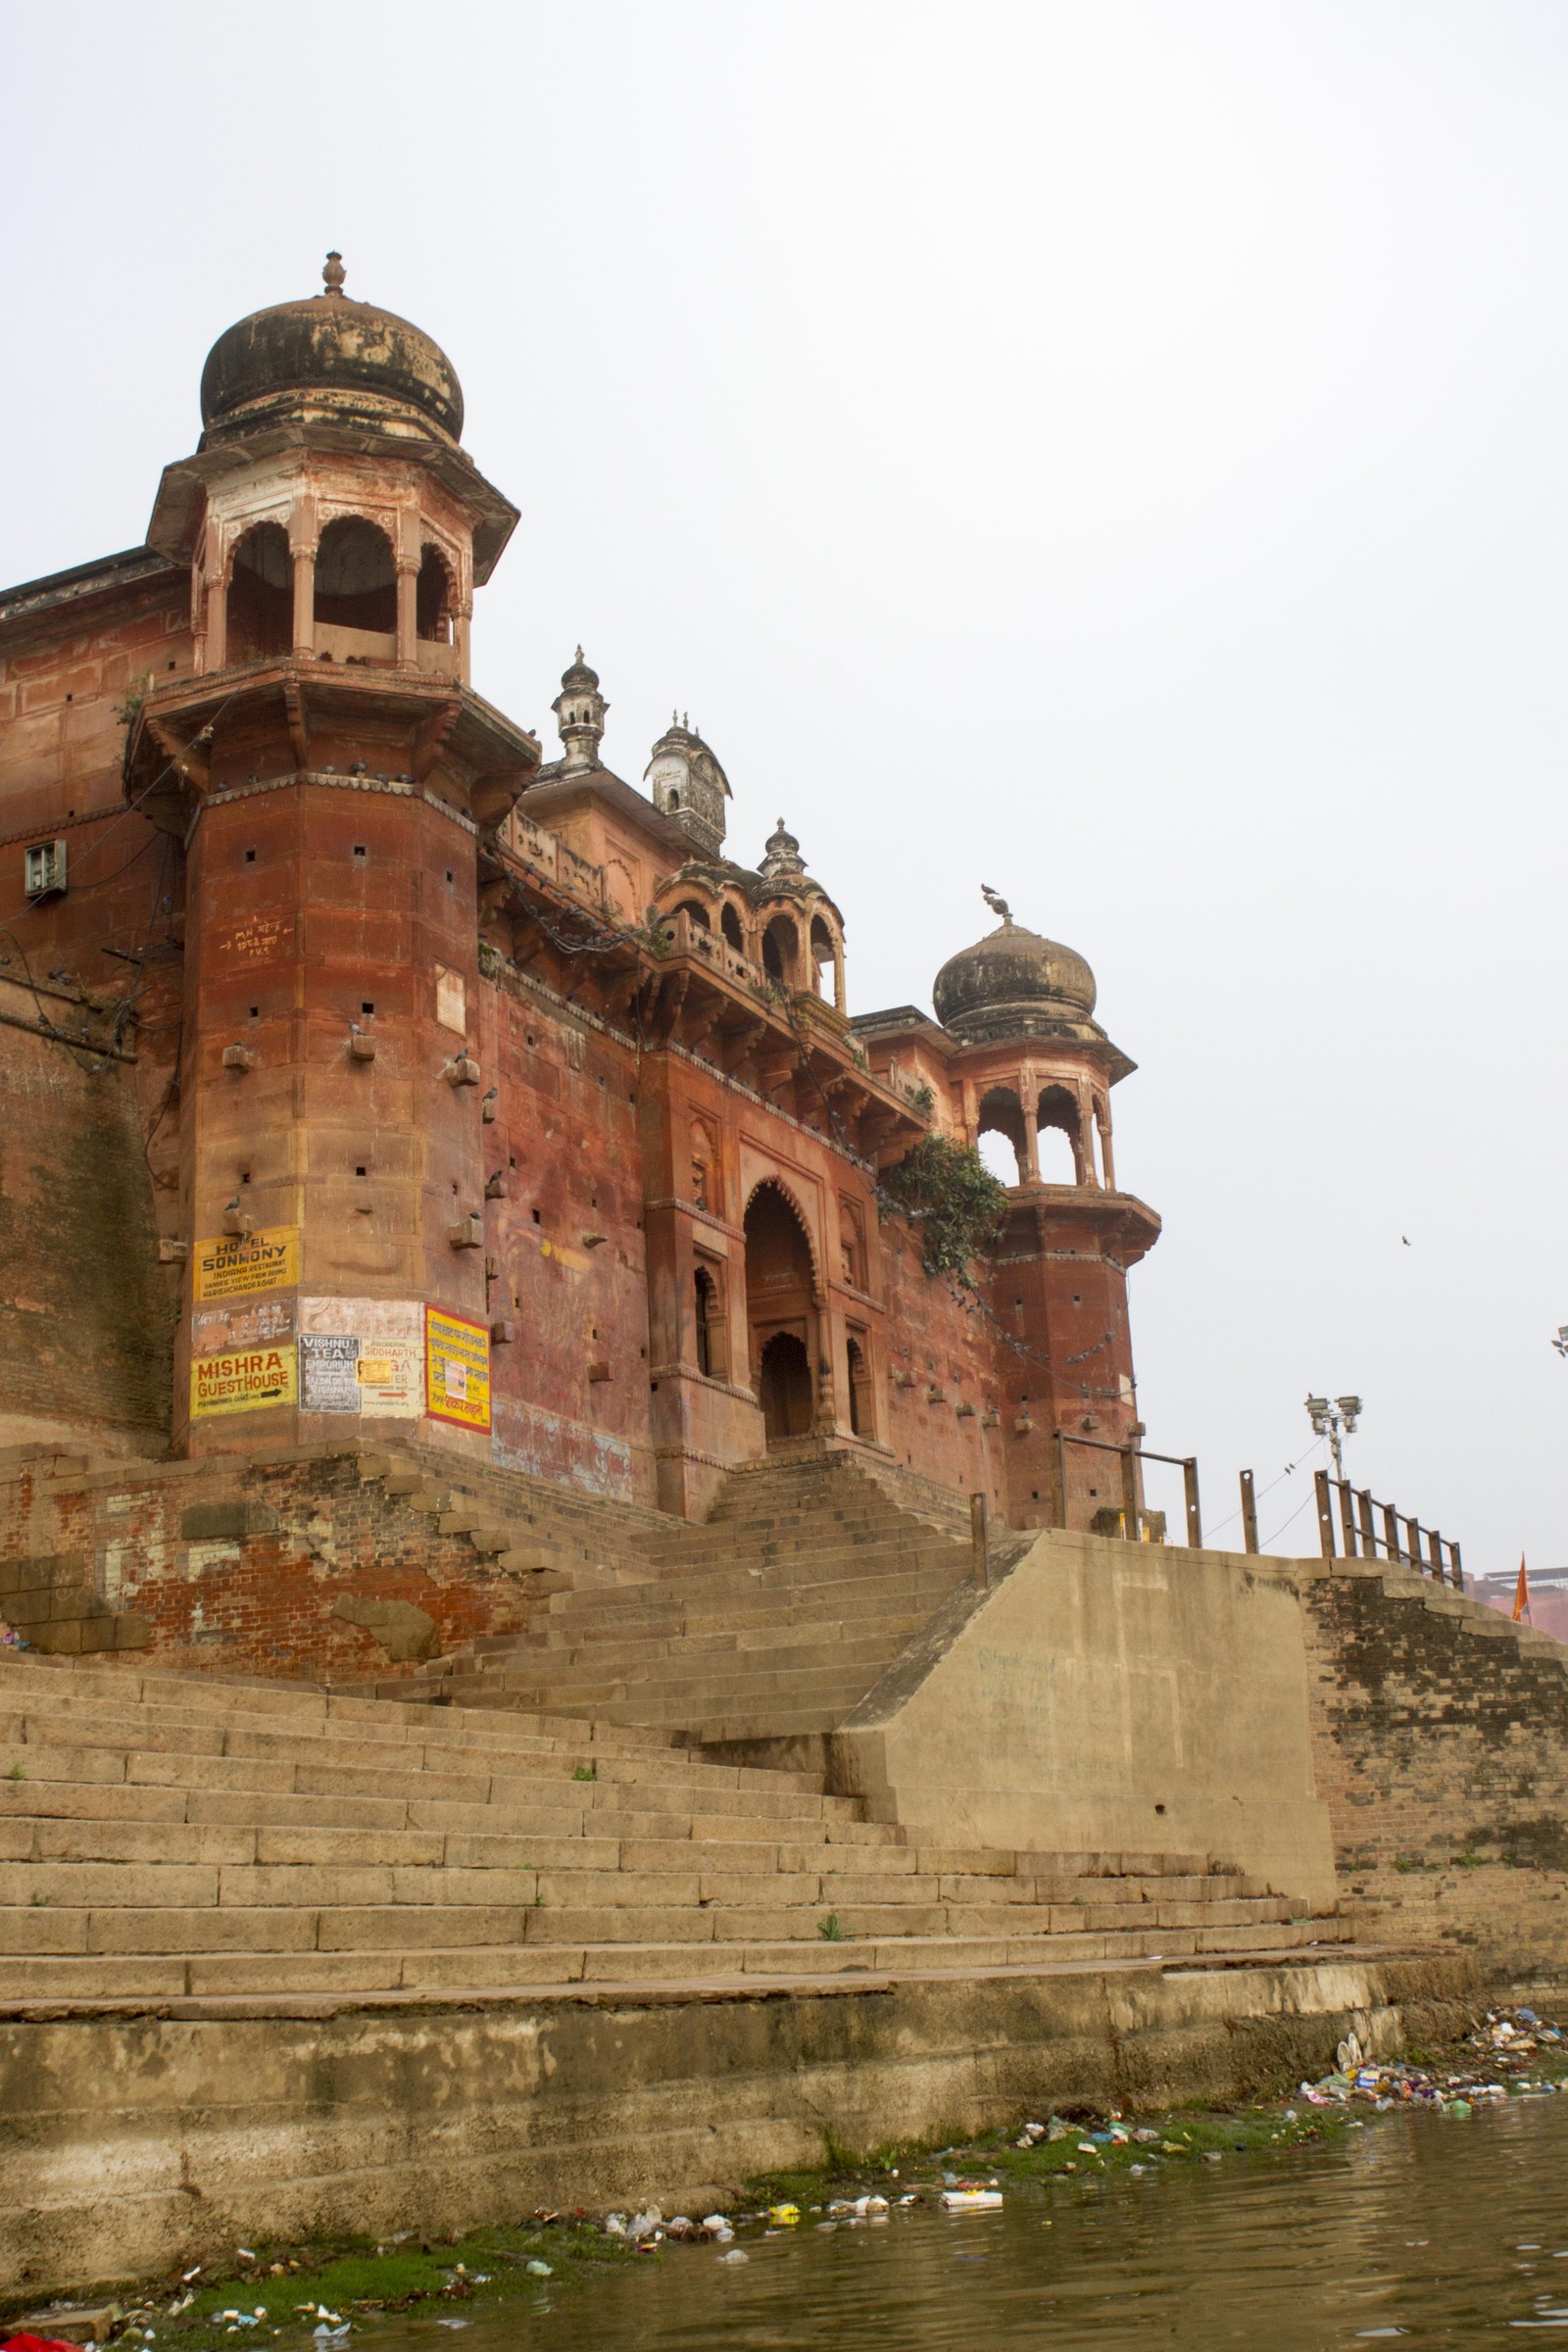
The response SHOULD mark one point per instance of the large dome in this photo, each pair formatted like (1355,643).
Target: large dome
(330,360)
(1013,984)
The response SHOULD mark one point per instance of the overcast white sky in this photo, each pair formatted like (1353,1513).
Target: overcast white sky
(1110,451)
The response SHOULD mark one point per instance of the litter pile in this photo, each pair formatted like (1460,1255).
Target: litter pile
(1512,2046)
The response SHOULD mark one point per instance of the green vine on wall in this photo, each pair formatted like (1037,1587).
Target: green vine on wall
(954,1202)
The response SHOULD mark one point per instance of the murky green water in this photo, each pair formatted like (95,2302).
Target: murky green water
(1434,2231)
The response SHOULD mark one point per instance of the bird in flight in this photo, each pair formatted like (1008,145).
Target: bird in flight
(1406,1239)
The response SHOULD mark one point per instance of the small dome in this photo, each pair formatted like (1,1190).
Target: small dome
(334,359)
(1013,984)
(578,678)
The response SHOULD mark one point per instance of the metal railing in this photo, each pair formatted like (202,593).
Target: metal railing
(1130,1455)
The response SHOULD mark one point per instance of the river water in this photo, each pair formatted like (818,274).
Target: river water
(1414,2228)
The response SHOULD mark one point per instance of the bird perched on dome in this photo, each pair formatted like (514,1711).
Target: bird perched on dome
(997,904)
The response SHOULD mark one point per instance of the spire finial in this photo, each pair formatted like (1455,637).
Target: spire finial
(579,653)
(997,904)
(334,273)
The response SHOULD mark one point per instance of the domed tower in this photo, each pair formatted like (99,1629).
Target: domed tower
(329,776)
(1030,1062)
(579,710)
(689,785)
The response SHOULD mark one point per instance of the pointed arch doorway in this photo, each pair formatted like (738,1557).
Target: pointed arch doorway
(780,1313)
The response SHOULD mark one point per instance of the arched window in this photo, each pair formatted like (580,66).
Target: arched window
(781,950)
(824,956)
(709,1325)
(434,597)
(696,909)
(859,1391)
(260,596)
(1062,1142)
(355,579)
(1001,1141)
(705,1161)
(730,922)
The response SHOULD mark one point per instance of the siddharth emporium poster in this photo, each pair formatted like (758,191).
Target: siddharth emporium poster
(456,1370)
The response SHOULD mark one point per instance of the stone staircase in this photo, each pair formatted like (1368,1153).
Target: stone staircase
(771,1619)
(168,1837)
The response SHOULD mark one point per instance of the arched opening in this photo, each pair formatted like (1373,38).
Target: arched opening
(697,912)
(824,958)
(780,1312)
(1001,1140)
(730,922)
(859,1391)
(1061,1142)
(781,950)
(709,1325)
(435,598)
(356,584)
(260,596)
(784,1385)
(704,1162)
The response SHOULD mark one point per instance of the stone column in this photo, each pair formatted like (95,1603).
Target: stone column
(304,598)
(214,649)
(1028,1107)
(408,614)
(1107,1161)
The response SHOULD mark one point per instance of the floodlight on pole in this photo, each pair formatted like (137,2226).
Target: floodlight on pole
(1335,1421)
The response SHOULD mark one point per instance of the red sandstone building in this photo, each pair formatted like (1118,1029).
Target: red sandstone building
(359,1066)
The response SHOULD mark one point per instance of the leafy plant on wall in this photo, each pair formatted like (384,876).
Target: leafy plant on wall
(954,1202)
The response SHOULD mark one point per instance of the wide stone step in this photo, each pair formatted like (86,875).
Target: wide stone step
(62,1978)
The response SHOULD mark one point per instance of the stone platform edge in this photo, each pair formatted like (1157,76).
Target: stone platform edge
(133,2142)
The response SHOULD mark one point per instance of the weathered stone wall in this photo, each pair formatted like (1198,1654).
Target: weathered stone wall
(1440,1746)
(1107,1697)
(85,1312)
(130,2144)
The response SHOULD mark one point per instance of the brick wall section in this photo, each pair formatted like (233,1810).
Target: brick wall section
(239,1567)
(1442,1750)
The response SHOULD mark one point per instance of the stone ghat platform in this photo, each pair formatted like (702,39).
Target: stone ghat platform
(130,2144)
(277,1960)
(167,1836)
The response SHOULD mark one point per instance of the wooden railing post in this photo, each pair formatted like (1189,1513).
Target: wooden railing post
(1435,1544)
(1249,1512)
(1391,1532)
(978,1541)
(1195,1517)
(1369,1539)
(1412,1543)
(1058,1479)
(1325,1514)
(1129,1489)
(1347,1518)
(1455,1571)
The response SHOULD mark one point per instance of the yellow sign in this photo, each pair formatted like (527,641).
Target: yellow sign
(246,1381)
(457,1362)
(238,1264)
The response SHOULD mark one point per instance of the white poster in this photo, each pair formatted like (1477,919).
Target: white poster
(362,1355)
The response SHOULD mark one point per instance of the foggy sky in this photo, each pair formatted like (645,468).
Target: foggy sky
(1112,452)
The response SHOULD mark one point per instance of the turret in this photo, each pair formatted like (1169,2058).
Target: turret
(689,785)
(579,709)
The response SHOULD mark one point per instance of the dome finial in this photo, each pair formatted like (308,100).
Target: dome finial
(782,856)
(333,275)
(997,904)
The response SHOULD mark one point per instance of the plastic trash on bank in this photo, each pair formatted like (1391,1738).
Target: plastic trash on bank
(972,2200)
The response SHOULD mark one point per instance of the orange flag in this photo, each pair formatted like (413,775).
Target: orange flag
(1521,1598)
